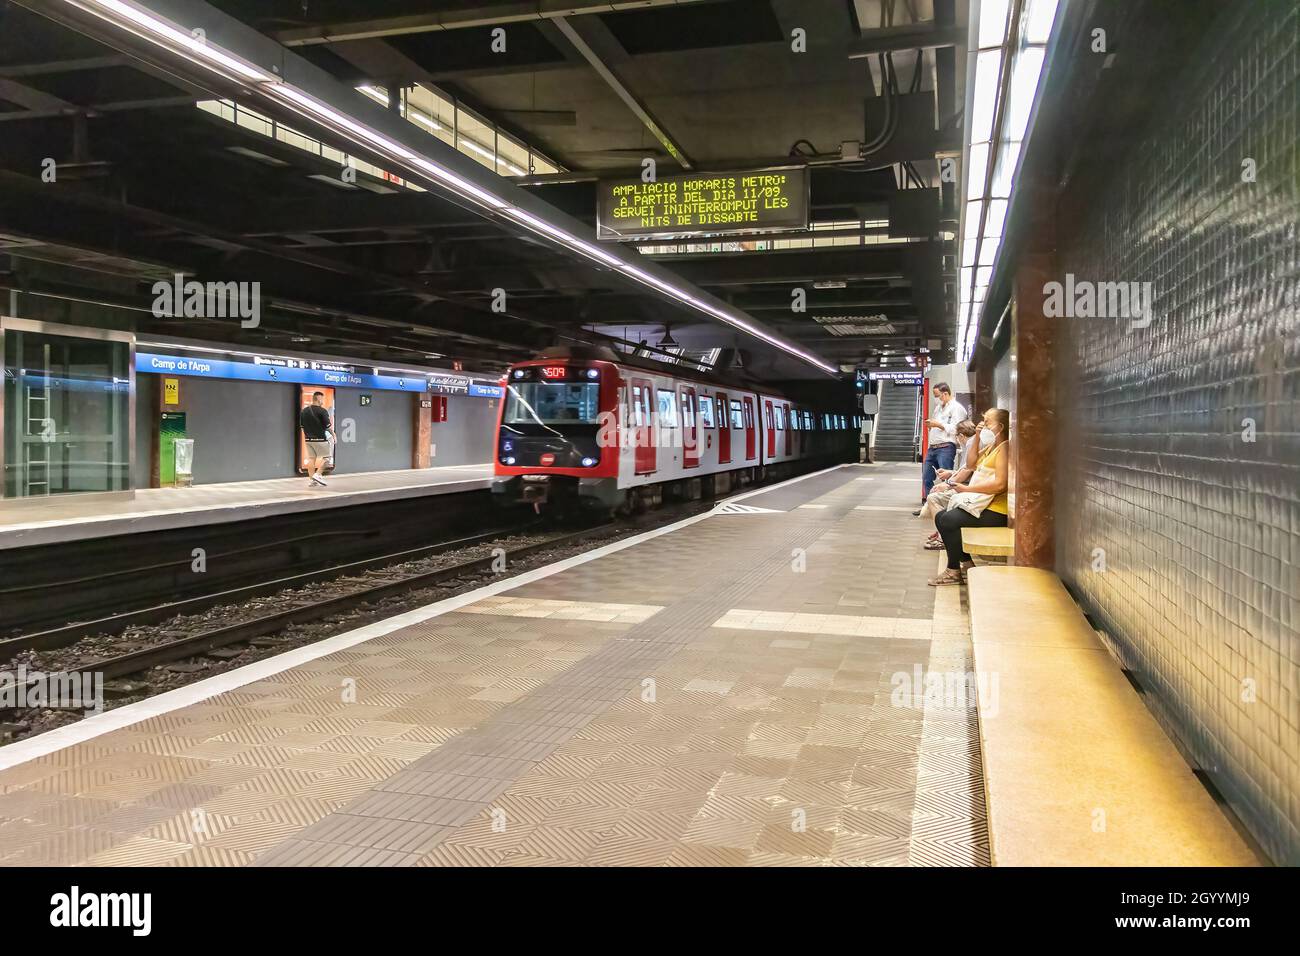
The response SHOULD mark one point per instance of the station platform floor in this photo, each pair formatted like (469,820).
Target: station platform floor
(733,689)
(65,518)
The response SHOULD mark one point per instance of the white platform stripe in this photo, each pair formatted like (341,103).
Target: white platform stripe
(730,509)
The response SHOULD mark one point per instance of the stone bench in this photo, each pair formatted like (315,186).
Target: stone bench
(1077,772)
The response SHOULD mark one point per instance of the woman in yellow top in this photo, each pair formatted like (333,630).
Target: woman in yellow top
(990,478)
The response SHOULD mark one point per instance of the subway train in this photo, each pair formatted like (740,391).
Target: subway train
(587,427)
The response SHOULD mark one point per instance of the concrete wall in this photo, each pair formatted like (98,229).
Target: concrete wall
(467,436)
(246,431)
(383,432)
(242,431)
(1198,525)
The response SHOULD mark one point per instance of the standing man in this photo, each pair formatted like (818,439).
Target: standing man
(942,442)
(314,420)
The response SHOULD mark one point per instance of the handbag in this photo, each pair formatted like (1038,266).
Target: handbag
(971,502)
(974,502)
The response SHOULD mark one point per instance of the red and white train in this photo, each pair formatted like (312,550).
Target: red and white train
(587,426)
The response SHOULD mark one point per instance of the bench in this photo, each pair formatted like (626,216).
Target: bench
(1077,772)
(989,542)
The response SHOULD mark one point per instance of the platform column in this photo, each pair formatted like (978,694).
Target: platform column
(423,427)
(1033,412)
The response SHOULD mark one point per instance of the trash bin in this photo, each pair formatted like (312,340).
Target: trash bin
(184,462)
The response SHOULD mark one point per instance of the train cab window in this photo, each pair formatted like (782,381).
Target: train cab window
(667,409)
(737,418)
(706,411)
(552,403)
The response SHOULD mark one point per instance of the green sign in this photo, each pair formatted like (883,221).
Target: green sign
(171,428)
(703,203)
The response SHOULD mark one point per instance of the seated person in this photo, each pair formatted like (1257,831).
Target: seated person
(990,479)
(962,470)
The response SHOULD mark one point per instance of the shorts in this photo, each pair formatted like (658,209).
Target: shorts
(318,449)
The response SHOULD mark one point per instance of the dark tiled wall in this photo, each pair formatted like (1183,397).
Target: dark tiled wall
(1199,528)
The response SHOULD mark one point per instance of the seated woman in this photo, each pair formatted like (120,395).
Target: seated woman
(990,478)
(962,470)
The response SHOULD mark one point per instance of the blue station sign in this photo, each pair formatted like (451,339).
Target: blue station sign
(293,371)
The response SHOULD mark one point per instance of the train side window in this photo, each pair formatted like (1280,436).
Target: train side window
(637,417)
(780,419)
(737,417)
(667,409)
(706,411)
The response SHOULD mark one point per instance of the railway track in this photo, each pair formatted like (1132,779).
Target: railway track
(118,621)
(385,583)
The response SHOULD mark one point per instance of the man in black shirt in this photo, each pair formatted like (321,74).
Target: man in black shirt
(314,420)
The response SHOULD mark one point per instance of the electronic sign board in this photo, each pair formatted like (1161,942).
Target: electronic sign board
(703,204)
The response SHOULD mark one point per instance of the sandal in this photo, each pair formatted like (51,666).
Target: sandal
(933,544)
(950,576)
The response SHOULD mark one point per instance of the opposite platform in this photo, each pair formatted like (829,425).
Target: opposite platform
(741,688)
(75,518)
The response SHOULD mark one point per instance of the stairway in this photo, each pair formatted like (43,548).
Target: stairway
(896,423)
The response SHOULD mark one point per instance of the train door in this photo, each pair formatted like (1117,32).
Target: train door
(690,437)
(751,441)
(770,425)
(723,419)
(643,432)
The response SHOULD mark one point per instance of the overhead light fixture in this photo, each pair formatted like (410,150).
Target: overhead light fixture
(1006,62)
(148,25)
(142,23)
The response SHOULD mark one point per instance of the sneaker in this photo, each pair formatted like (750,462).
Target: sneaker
(318,479)
(916,513)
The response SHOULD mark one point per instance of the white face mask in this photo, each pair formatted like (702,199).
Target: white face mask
(987,437)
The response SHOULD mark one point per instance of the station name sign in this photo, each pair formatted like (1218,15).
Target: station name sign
(279,368)
(703,203)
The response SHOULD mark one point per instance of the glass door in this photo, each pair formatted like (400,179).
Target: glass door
(67,418)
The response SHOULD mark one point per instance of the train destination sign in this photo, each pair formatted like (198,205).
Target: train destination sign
(703,203)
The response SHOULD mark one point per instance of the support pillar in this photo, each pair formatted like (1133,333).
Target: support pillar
(1033,413)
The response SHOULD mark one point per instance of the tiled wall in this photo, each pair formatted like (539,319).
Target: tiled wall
(1199,529)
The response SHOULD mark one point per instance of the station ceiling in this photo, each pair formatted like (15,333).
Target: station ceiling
(148,185)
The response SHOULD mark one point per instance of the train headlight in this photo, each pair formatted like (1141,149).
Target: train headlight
(593,373)
(519,373)
(588,462)
(508,445)
(508,461)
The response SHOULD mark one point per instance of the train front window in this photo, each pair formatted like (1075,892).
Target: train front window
(552,403)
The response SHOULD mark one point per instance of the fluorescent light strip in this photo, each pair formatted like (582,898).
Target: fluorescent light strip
(151,28)
(146,25)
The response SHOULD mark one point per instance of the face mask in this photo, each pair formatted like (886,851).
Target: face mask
(987,437)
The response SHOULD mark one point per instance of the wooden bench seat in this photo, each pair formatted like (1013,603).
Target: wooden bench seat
(1076,770)
(989,542)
